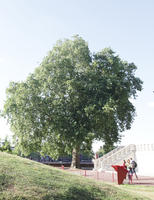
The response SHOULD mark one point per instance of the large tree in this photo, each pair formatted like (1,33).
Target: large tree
(71,99)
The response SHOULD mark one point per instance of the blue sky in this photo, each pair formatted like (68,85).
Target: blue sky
(30,28)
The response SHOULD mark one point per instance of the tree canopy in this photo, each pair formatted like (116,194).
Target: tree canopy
(71,99)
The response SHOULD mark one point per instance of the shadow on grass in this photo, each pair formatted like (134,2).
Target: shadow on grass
(5,181)
(77,193)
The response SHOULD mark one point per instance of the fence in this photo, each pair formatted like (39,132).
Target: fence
(102,175)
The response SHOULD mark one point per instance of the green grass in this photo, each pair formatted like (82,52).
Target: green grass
(142,190)
(22,179)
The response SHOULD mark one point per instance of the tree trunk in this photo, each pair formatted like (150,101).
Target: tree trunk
(76,158)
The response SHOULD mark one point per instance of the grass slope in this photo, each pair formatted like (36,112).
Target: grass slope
(23,179)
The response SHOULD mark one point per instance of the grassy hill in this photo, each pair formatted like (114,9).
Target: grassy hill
(23,179)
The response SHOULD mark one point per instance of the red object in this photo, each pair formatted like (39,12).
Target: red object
(62,166)
(121,173)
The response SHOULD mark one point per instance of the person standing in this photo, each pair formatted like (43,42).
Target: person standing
(130,172)
(133,165)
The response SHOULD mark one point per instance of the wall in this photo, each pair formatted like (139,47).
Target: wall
(145,159)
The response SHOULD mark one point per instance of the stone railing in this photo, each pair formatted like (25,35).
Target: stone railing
(145,147)
(112,152)
(115,157)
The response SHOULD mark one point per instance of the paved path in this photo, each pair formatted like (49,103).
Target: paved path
(144,180)
(111,176)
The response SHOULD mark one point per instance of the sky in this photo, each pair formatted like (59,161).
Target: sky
(30,28)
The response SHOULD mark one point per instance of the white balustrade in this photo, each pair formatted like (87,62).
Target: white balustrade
(116,156)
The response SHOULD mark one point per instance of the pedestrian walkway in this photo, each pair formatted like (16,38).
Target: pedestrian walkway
(109,176)
(143,180)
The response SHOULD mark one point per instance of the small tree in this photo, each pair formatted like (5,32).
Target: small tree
(6,146)
(100,152)
(72,98)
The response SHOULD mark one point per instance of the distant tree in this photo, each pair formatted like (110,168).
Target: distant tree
(105,149)
(108,147)
(72,98)
(100,152)
(6,145)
